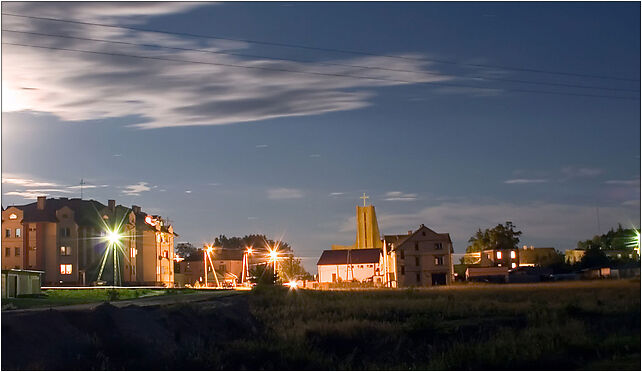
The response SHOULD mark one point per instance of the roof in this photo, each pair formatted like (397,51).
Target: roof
(84,210)
(354,256)
(396,239)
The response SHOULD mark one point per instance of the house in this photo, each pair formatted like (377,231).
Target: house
(538,256)
(227,263)
(347,265)
(500,257)
(421,258)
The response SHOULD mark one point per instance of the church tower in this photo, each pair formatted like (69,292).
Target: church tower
(367,229)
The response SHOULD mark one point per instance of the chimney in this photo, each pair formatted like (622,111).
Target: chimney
(41,202)
(136,209)
(111,204)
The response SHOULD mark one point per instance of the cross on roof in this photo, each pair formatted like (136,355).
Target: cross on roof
(364,197)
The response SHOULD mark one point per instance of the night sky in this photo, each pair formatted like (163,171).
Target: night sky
(286,144)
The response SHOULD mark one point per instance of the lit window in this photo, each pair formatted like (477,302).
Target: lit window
(12,216)
(65,269)
(65,251)
(18,233)
(513,265)
(499,255)
(513,254)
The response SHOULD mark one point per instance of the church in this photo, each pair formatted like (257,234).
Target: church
(420,258)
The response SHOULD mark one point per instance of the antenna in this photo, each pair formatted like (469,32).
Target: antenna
(82,183)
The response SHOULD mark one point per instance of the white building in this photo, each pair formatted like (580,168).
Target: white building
(348,265)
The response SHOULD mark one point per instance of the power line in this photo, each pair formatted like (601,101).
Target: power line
(565,85)
(334,50)
(321,73)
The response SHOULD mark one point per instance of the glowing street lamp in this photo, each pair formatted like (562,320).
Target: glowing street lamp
(292,284)
(246,265)
(113,238)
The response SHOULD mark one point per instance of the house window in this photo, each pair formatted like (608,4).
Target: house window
(418,278)
(416,246)
(65,269)
(7,252)
(65,250)
(402,255)
(439,260)
(221,268)
(403,270)
(423,233)
(513,254)
(13,216)
(513,265)
(7,233)
(499,255)
(18,233)
(65,232)
(438,246)
(416,261)
(17,251)
(165,254)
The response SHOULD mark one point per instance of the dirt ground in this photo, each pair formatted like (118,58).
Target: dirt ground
(132,337)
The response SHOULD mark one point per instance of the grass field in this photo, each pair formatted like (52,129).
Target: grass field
(574,325)
(61,297)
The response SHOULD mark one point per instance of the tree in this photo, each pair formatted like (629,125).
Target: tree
(618,239)
(186,250)
(499,237)
(252,240)
(263,275)
(594,258)
(291,268)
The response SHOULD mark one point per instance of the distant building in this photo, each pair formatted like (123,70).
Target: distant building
(538,256)
(228,265)
(20,282)
(496,274)
(346,265)
(572,256)
(66,239)
(155,241)
(500,257)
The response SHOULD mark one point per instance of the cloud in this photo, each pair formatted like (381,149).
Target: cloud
(80,86)
(574,172)
(136,189)
(544,222)
(26,194)
(623,182)
(337,193)
(27,182)
(525,180)
(261,146)
(284,193)
(632,203)
(188,191)
(315,155)
(399,196)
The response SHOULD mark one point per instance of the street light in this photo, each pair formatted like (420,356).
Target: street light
(113,238)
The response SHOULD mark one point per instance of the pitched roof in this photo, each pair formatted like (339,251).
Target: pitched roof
(353,256)
(84,210)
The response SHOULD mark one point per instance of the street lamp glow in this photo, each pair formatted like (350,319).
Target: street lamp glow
(113,237)
(292,284)
(249,250)
(274,255)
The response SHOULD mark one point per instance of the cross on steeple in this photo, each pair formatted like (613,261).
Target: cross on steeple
(364,197)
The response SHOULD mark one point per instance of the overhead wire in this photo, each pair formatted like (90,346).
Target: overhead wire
(334,50)
(477,77)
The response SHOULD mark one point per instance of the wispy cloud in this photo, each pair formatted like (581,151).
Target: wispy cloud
(315,155)
(581,172)
(27,182)
(632,203)
(525,180)
(261,146)
(284,193)
(136,189)
(337,193)
(399,196)
(78,86)
(27,194)
(188,191)
(623,182)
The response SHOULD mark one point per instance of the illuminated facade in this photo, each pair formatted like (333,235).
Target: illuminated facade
(347,265)
(500,257)
(155,239)
(66,239)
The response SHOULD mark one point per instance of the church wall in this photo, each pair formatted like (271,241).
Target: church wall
(360,272)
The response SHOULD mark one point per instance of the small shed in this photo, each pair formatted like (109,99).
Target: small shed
(20,282)
(496,274)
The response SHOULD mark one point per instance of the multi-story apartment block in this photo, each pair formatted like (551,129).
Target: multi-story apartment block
(67,239)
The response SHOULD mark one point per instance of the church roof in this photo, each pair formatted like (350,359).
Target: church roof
(354,256)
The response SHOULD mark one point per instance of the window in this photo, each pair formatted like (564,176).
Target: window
(65,269)
(17,251)
(423,233)
(513,265)
(416,246)
(7,233)
(418,278)
(13,216)
(370,265)
(7,252)
(165,254)
(403,270)
(402,255)
(499,255)
(221,268)
(416,261)
(65,232)
(439,260)
(513,254)
(65,250)
(438,246)
(18,233)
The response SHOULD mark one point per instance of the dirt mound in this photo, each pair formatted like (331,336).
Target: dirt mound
(155,337)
